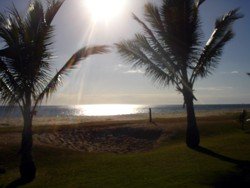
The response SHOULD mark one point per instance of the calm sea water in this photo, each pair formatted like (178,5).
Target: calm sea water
(109,110)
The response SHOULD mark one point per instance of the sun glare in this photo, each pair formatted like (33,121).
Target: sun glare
(104,10)
(106,110)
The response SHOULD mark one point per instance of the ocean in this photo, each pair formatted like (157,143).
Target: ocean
(114,109)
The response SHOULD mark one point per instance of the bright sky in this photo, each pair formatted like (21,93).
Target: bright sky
(107,79)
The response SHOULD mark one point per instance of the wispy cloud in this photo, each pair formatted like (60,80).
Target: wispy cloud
(120,67)
(134,72)
(235,72)
(222,88)
(127,70)
(232,72)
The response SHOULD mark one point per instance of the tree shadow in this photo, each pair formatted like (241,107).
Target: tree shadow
(238,178)
(2,170)
(221,157)
(18,182)
(154,123)
(248,132)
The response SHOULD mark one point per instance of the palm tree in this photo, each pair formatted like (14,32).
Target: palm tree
(170,50)
(26,75)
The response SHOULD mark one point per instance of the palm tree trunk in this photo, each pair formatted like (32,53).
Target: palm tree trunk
(192,132)
(27,165)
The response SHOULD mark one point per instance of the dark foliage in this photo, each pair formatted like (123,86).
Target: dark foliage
(26,74)
(171,49)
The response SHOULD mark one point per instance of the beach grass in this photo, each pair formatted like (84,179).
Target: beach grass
(171,164)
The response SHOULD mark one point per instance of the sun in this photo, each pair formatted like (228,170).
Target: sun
(104,10)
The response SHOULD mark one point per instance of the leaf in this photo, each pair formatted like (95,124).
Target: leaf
(69,65)
(212,52)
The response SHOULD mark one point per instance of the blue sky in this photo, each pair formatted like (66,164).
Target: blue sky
(107,79)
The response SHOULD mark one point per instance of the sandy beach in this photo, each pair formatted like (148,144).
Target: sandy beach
(115,134)
(72,120)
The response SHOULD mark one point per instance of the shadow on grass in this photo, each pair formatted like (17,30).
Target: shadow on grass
(154,123)
(238,178)
(18,182)
(248,132)
(2,170)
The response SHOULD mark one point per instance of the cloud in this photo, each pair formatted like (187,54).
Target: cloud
(222,88)
(232,72)
(120,67)
(134,72)
(235,72)
(125,69)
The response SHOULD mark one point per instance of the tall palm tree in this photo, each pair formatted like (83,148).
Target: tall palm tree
(170,50)
(26,75)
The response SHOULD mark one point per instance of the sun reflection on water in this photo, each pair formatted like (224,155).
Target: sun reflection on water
(106,109)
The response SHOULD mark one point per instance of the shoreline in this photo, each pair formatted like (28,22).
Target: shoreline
(72,120)
(113,134)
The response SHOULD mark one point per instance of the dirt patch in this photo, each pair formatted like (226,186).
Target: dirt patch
(116,139)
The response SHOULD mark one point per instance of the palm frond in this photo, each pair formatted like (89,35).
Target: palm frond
(69,65)
(34,38)
(172,40)
(26,54)
(8,76)
(132,53)
(159,47)
(153,17)
(212,51)
(199,2)
(180,19)
(7,95)
(157,58)
(53,8)
(8,34)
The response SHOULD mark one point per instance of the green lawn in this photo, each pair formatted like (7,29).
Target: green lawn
(170,165)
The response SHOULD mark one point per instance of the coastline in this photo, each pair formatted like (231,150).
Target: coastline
(72,120)
(112,134)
